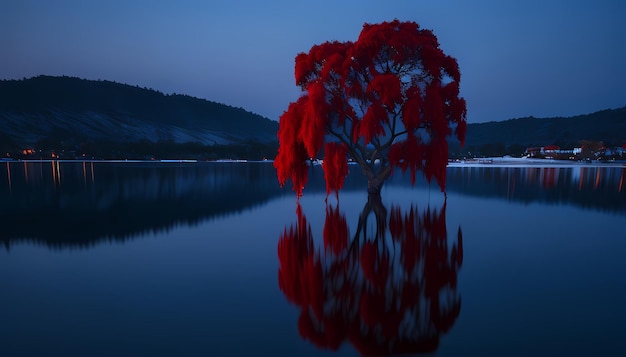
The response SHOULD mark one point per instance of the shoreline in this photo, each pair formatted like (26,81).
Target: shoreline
(482,162)
(513,161)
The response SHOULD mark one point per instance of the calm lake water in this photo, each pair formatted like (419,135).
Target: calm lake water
(214,259)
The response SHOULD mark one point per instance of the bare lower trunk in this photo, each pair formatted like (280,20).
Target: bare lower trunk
(374,185)
(375,180)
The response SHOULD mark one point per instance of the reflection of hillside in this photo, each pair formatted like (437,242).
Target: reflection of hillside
(600,188)
(79,203)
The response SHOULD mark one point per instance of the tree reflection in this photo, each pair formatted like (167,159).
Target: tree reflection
(389,291)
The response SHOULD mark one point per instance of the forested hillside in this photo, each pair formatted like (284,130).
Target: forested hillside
(515,135)
(66,113)
(102,119)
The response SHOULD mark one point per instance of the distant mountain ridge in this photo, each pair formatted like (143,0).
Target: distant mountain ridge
(79,110)
(608,126)
(119,120)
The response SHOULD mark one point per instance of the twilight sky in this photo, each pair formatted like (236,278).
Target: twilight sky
(517,58)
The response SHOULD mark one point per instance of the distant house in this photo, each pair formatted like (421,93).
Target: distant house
(542,151)
(550,149)
(532,152)
(551,152)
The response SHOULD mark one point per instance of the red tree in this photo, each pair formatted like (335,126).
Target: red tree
(388,100)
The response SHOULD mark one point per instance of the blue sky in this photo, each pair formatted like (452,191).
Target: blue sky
(517,58)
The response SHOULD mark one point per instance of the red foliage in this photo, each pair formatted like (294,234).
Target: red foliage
(384,88)
(432,58)
(335,231)
(294,247)
(335,166)
(304,68)
(313,126)
(450,91)
(411,252)
(411,112)
(436,160)
(361,293)
(371,125)
(434,112)
(290,163)
(395,223)
(374,265)
(407,154)
(300,272)
(451,67)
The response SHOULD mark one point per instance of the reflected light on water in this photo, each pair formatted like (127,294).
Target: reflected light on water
(126,199)
(88,168)
(9,175)
(61,203)
(25,172)
(56,173)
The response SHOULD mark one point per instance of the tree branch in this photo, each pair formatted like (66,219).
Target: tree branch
(359,156)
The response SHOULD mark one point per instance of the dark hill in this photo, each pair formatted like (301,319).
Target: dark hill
(606,126)
(79,110)
(113,120)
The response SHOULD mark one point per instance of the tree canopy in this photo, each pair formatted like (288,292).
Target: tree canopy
(388,100)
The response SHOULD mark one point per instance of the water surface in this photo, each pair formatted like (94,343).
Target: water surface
(215,259)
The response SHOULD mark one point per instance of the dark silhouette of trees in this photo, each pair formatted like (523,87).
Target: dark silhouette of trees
(388,100)
(7,146)
(65,114)
(42,94)
(391,291)
(518,134)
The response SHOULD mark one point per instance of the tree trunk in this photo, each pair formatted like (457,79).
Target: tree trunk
(374,185)
(376,180)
